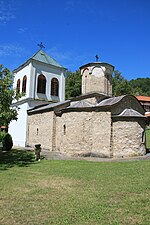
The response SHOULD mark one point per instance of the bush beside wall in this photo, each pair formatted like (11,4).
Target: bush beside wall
(6,140)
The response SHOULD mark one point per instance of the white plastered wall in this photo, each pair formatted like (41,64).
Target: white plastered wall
(17,129)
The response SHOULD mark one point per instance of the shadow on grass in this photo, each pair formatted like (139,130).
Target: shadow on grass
(16,158)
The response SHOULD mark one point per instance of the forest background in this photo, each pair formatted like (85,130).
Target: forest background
(120,85)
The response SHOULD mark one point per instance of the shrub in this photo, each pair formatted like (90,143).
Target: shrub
(6,140)
(2,135)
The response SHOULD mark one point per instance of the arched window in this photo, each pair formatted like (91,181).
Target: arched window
(54,87)
(24,83)
(41,87)
(18,86)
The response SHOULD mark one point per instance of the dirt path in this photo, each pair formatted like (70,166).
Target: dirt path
(59,156)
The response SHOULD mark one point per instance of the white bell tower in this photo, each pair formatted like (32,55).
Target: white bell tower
(40,80)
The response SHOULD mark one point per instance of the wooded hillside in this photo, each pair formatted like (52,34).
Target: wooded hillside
(121,86)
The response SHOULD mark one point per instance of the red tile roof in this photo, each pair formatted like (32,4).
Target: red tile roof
(147,114)
(143,98)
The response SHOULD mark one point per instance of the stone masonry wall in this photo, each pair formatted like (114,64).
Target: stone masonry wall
(91,83)
(97,78)
(40,130)
(81,133)
(128,138)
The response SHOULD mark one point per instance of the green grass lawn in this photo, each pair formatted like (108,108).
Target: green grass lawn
(72,192)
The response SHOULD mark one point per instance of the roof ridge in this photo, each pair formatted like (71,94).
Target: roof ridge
(35,54)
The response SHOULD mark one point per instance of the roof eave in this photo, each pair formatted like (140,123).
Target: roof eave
(22,66)
(115,116)
(96,63)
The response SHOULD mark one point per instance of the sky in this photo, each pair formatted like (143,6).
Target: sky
(74,31)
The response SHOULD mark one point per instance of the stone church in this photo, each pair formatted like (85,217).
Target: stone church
(94,123)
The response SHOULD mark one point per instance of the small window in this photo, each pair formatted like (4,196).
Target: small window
(18,86)
(143,136)
(54,87)
(41,87)
(24,83)
(64,129)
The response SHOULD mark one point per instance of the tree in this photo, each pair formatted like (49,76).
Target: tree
(120,85)
(142,85)
(7,95)
(73,84)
